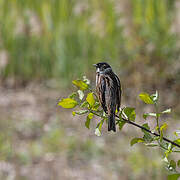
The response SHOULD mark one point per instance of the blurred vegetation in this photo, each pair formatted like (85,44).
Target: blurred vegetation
(62,39)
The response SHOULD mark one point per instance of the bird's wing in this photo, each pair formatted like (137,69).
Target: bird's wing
(118,93)
(102,91)
(110,94)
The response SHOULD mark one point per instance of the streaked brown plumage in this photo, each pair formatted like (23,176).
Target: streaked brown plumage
(108,89)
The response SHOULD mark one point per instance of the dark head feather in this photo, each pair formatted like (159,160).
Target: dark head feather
(102,66)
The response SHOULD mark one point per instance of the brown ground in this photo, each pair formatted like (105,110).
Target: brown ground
(40,141)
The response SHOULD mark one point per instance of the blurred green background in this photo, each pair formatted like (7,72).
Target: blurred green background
(46,44)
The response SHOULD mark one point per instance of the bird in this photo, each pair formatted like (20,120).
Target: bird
(108,89)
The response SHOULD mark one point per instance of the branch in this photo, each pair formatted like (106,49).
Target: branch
(155,134)
(141,127)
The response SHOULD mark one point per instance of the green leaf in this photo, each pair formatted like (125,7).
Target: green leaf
(97,132)
(96,106)
(165,159)
(155,97)
(80,112)
(178,131)
(73,113)
(121,124)
(136,140)
(80,84)
(88,119)
(145,115)
(178,163)
(84,104)
(98,128)
(173,164)
(155,138)
(151,144)
(130,113)
(169,146)
(147,136)
(90,99)
(176,134)
(163,127)
(177,141)
(167,152)
(90,115)
(146,98)
(73,95)
(67,103)
(145,126)
(166,111)
(87,81)
(81,94)
(173,176)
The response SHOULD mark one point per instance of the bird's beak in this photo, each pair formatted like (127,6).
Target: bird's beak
(95,65)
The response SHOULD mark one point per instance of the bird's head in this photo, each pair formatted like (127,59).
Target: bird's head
(102,67)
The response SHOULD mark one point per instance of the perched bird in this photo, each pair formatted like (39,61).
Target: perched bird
(108,89)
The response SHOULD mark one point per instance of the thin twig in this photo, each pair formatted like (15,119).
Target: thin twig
(157,118)
(141,127)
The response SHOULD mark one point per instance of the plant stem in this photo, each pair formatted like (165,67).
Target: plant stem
(157,118)
(141,127)
(155,134)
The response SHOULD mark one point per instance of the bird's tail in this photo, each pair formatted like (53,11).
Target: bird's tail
(111,123)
